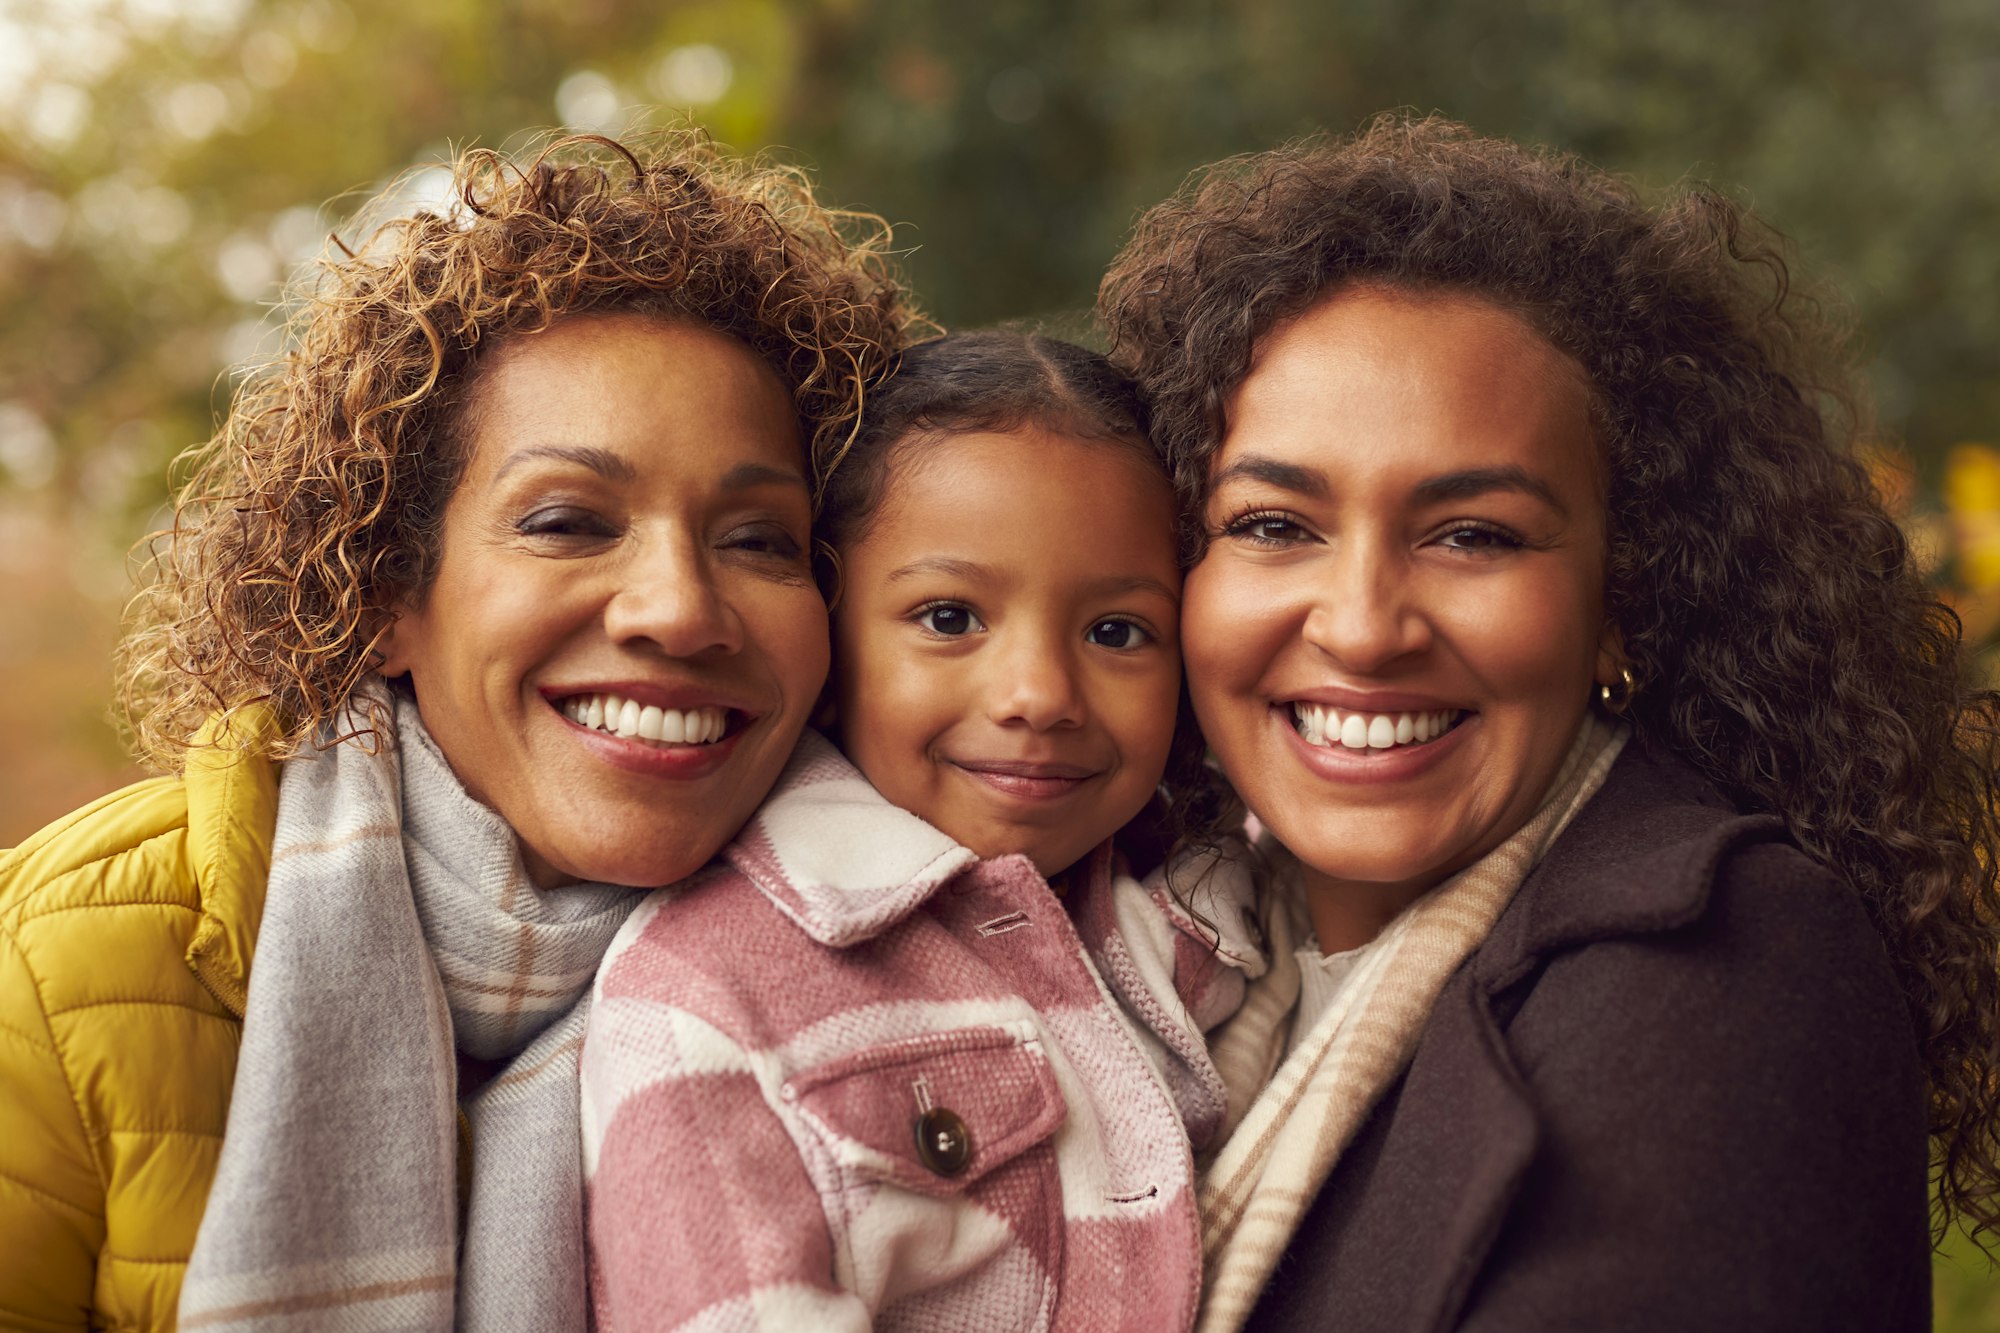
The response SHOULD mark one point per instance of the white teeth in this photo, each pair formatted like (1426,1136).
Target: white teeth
(1323,726)
(629,720)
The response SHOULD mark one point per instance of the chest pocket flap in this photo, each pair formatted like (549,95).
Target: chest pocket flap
(934,1113)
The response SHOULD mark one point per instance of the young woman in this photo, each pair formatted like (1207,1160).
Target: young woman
(560,444)
(1633,806)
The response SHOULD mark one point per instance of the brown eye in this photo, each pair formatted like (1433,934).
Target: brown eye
(1480,539)
(565,521)
(1266,529)
(764,539)
(1114,633)
(949,619)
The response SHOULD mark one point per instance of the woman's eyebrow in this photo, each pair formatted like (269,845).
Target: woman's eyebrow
(1306,481)
(1484,480)
(614,467)
(745,475)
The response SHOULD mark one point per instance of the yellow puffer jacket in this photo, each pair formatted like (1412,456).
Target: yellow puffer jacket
(126,934)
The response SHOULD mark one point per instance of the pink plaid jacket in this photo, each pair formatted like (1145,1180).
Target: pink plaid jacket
(768,1037)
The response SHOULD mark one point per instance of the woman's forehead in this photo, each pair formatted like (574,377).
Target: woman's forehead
(1433,383)
(637,387)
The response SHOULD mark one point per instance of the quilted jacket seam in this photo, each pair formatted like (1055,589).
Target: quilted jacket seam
(60,1058)
(149,1001)
(209,868)
(155,903)
(55,831)
(31,1321)
(69,1205)
(107,1255)
(27,1038)
(25,911)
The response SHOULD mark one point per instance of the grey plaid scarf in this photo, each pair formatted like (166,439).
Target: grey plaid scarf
(400,923)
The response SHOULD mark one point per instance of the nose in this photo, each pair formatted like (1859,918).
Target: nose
(667,596)
(1366,613)
(1034,682)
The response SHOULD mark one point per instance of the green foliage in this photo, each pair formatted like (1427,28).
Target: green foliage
(1965,1297)
(161,166)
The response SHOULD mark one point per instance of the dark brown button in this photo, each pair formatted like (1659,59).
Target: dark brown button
(944,1145)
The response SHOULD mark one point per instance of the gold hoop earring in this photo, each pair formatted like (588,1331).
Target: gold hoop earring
(1616,701)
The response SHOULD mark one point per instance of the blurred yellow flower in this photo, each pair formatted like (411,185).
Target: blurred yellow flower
(1972,498)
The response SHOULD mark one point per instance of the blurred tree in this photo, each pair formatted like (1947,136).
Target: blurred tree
(164,162)
(1022,142)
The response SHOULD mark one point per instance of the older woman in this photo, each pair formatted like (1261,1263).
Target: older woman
(546,466)
(1634,906)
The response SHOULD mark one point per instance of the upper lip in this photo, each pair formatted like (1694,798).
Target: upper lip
(1369,701)
(680,697)
(1027,768)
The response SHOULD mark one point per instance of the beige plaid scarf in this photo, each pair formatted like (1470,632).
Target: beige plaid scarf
(400,926)
(1289,1122)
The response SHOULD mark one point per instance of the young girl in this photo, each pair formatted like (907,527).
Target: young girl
(867,1070)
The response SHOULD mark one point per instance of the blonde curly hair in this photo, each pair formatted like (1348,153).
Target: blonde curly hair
(317,508)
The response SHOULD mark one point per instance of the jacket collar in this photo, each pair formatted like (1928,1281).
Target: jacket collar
(834,856)
(232,810)
(1638,859)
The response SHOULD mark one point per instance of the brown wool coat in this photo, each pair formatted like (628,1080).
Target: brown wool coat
(1677,1088)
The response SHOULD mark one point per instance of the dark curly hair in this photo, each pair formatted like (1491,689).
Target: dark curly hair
(986,380)
(317,509)
(1784,641)
(1000,380)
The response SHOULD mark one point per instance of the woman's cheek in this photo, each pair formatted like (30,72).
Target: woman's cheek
(1235,621)
(790,621)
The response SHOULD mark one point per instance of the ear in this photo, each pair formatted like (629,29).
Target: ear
(391,652)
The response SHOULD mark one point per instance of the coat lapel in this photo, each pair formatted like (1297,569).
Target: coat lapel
(1638,860)
(1404,1225)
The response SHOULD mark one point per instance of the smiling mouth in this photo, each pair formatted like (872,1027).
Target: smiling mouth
(1017,778)
(1333,728)
(627,719)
